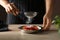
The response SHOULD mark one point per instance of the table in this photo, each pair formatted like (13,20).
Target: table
(17,35)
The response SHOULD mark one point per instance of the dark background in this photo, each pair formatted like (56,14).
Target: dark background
(3,14)
(56,10)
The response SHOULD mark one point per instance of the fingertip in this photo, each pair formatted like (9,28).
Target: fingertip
(16,13)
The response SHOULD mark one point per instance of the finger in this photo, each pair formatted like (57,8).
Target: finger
(12,9)
(48,23)
(44,22)
(8,10)
(17,12)
(14,13)
(15,8)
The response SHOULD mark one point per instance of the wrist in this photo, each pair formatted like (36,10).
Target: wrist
(49,13)
(4,3)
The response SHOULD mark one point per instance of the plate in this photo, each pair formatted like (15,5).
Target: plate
(31,30)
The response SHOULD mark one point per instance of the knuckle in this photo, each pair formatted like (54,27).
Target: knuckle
(11,9)
(9,5)
(7,11)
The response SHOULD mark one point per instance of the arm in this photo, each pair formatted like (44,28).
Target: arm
(49,6)
(47,17)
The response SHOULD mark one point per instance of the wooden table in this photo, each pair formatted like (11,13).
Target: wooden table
(18,35)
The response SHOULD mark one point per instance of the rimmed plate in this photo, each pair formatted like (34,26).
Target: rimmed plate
(31,31)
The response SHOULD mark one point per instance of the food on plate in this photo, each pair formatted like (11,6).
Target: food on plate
(33,27)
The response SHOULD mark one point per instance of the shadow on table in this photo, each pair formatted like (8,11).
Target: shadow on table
(45,32)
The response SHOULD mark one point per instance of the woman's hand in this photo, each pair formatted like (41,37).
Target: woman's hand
(47,19)
(46,22)
(11,8)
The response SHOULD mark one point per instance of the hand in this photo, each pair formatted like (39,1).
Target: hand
(11,8)
(46,22)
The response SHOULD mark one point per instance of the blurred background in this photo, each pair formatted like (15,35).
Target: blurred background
(56,11)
